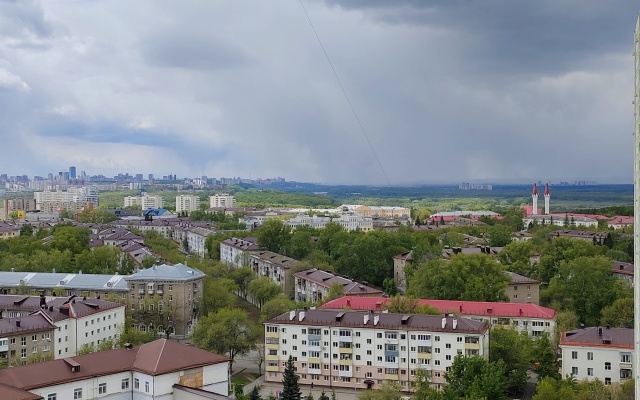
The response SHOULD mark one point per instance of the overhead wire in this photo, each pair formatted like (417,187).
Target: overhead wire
(344,92)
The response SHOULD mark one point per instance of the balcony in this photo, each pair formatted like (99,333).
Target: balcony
(271,368)
(140,291)
(160,291)
(390,340)
(346,339)
(345,350)
(150,291)
(424,343)
(314,348)
(347,374)
(314,371)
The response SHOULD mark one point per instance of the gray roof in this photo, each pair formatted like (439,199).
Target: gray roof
(517,278)
(178,272)
(78,281)
(326,279)
(600,337)
(356,319)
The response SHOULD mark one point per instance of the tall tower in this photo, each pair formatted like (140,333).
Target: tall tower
(547,198)
(534,196)
(636,206)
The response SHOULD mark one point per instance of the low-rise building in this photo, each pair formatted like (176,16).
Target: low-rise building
(165,297)
(161,369)
(313,285)
(352,349)
(522,289)
(26,339)
(602,353)
(144,201)
(521,236)
(235,251)
(63,284)
(400,262)
(530,318)
(274,266)
(620,222)
(623,271)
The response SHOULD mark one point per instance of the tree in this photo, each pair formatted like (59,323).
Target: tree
(513,349)
(262,290)
(409,305)
(290,385)
(336,290)
(544,358)
(26,230)
(475,277)
(548,389)
(300,244)
(148,262)
(274,235)
(585,285)
(476,378)
(86,349)
(421,385)
(389,286)
(255,393)
(388,391)
(227,331)
(216,294)
(242,277)
(276,306)
(499,235)
(619,314)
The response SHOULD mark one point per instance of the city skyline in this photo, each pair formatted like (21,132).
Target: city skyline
(481,91)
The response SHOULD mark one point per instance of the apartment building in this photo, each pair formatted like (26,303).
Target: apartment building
(522,289)
(161,369)
(314,284)
(165,297)
(274,266)
(382,212)
(222,200)
(18,204)
(235,251)
(144,201)
(530,318)
(73,199)
(363,350)
(187,203)
(400,262)
(602,353)
(313,221)
(26,339)
(351,222)
(9,229)
(193,236)
(164,227)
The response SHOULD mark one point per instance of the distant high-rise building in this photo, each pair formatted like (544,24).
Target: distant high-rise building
(636,204)
(150,177)
(72,172)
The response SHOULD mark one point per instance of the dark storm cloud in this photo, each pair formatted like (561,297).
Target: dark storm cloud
(517,36)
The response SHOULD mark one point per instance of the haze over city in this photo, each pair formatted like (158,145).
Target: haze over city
(479,90)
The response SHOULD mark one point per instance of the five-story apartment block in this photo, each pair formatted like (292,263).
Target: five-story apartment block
(365,349)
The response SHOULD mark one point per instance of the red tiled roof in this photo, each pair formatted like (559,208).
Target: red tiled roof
(546,189)
(449,306)
(535,189)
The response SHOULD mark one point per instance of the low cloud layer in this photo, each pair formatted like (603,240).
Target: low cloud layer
(446,91)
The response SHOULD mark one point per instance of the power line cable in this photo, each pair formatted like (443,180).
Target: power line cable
(344,92)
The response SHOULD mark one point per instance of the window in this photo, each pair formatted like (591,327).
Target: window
(136,383)
(589,371)
(607,366)
(589,356)
(102,388)
(170,287)
(23,340)
(437,338)
(77,394)
(625,358)
(607,381)
(125,383)
(448,345)
(146,386)
(52,396)
(574,371)
(23,353)
(448,357)
(459,339)
(574,355)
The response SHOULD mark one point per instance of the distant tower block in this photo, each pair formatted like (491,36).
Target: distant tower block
(547,198)
(534,196)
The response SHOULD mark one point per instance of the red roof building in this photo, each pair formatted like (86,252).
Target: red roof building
(533,318)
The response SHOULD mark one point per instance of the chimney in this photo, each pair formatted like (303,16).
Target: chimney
(460,307)
(43,301)
(455,323)
(599,331)
(521,311)
(376,319)
(444,322)
(348,302)
(292,315)
(301,315)
(366,318)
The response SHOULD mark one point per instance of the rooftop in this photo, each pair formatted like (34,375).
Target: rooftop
(327,279)
(77,281)
(177,272)
(359,319)
(476,308)
(599,337)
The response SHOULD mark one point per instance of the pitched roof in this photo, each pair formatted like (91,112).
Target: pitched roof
(167,272)
(159,357)
(326,279)
(66,281)
(599,337)
(9,393)
(479,308)
(360,319)
(517,278)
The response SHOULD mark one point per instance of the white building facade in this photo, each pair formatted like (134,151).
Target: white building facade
(223,200)
(235,252)
(144,202)
(187,203)
(363,350)
(599,353)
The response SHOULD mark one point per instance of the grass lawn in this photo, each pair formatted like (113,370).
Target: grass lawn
(243,378)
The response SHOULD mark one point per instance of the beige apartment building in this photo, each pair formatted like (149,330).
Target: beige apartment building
(361,350)
(165,298)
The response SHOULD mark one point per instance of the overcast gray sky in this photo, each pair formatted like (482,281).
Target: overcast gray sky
(445,90)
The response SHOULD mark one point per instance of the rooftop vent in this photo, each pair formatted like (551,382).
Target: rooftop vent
(444,322)
(339,316)
(405,320)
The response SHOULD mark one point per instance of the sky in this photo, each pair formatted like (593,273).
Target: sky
(445,91)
